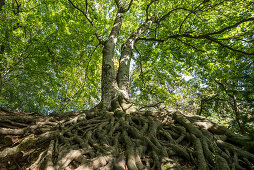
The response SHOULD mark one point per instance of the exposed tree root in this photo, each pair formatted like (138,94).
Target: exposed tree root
(115,140)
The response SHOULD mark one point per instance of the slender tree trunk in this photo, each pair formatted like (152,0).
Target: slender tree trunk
(201,107)
(126,53)
(123,73)
(237,114)
(108,83)
(234,107)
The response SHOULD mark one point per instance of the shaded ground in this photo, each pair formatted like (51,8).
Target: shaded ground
(106,140)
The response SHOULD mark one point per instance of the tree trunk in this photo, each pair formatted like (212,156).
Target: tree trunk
(126,53)
(237,115)
(115,90)
(123,76)
(108,81)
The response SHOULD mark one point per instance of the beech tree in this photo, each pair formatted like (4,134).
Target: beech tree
(120,51)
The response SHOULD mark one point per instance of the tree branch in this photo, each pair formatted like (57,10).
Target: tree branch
(151,39)
(234,106)
(129,6)
(206,36)
(147,8)
(18,6)
(231,26)
(190,45)
(228,47)
(120,6)
(191,12)
(169,12)
(126,53)
(84,13)
(88,18)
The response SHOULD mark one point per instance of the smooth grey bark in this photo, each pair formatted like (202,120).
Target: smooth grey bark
(115,89)
(126,53)
(108,82)
(109,87)
(112,86)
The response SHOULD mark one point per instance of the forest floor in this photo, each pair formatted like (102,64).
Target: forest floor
(96,139)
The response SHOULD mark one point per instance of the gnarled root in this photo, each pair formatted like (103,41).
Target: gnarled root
(115,140)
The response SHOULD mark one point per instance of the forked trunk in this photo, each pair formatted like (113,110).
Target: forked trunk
(109,86)
(115,89)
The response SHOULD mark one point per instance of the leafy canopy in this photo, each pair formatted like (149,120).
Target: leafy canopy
(51,60)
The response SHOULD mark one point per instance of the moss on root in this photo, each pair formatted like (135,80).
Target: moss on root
(108,140)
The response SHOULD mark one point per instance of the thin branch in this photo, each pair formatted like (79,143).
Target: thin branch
(151,39)
(222,85)
(206,36)
(84,13)
(18,6)
(231,26)
(210,6)
(88,18)
(191,12)
(228,47)
(87,10)
(6,72)
(147,8)
(169,12)
(196,37)
(237,37)
(33,7)
(120,6)
(17,3)
(190,45)
(129,6)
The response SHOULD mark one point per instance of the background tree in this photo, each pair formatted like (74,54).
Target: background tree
(119,55)
(229,94)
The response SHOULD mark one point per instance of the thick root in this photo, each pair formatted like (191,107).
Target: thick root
(114,140)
